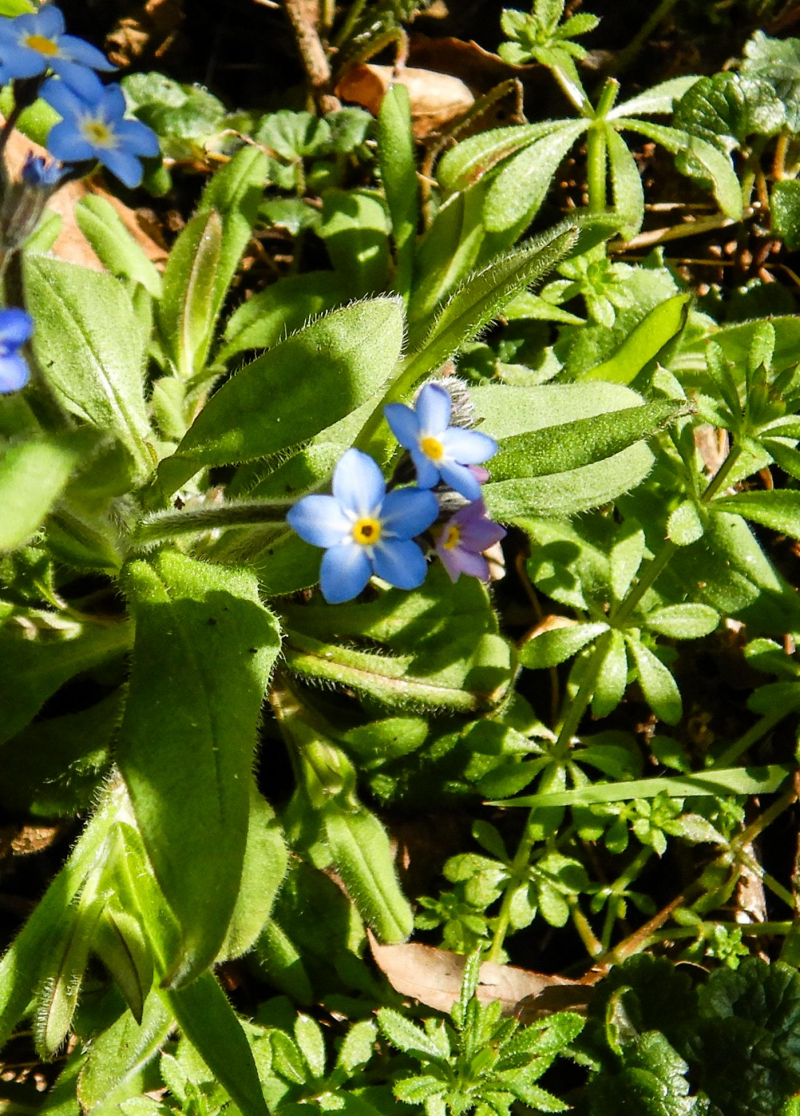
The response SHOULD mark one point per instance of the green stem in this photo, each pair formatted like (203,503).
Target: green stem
(751,737)
(596,155)
(171,524)
(675,933)
(751,169)
(627,55)
(353,16)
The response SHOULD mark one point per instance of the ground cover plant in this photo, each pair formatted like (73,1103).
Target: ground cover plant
(399,512)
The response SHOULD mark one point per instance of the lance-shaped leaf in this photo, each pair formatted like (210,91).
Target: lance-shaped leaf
(351,352)
(644,343)
(186,311)
(467,162)
(118,1056)
(35,668)
(399,177)
(90,347)
(363,858)
(554,647)
(658,686)
(103,227)
(32,477)
(626,184)
(778,509)
(209,1023)
(203,652)
(21,966)
(479,298)
(560,449)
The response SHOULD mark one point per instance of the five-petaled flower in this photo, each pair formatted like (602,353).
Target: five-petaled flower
(438,450)
(33,43)
(16,328)
(364,530)
(463,539)
(94,128)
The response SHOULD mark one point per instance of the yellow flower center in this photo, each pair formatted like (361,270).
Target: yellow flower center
(452,537)
(98,134)
(432,448)
(367,531)
(43,45)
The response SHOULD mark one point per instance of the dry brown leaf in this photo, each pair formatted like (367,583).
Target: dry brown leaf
(148,31)
(436,99)
(433,976)
(477,68)
(71,244)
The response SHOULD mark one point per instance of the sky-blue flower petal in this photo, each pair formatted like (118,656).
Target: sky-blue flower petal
(401,563)
(409,511)
(319,520)
(344,572)
(358,483)
(14,373)
(461,479)
(467,447)
(121,163)
(433,409)
(404,424)
(16,327)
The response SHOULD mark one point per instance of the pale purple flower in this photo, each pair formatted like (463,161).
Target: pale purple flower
(438,450)
(463,539)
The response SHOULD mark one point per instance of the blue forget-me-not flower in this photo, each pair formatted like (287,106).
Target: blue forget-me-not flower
(41,173)
(364,530)
(95,128)
(438,450)
(16,328)
(33,43)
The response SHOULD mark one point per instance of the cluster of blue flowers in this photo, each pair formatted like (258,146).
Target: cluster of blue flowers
(364,530)
(44,61)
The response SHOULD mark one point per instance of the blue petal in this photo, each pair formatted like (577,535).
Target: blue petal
(138,138)
(14,373)
(467,447)
(427,473)
(23,62)
(403,422)
(358,483)
(319,520)
(409,511)
(78,50)
(26,24)
(344,572)
(16,327)
(114,104)
(123,165)
(461,479)
(67,144)
(66,102)
(49,22)
(80,81)
(433,409)
(401,563)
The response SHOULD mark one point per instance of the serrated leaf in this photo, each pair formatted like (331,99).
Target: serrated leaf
(778,509)
(659,687)
(357,1046)
(204,649)
(517,192)
(683,621)
(408,1036)
(559,644)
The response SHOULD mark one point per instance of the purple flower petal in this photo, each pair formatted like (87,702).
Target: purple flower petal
(433,409)
(461,479)
(319,520)
(401,563)
(408,512)
(358,483)
(344,572)
(467,447)
(404,424)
